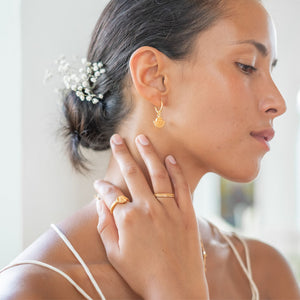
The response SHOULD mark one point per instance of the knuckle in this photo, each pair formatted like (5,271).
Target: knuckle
(148,150)
(149,214)
(148,211)
(120,149)
(129,217)
(135,215)
(130,169)
(108,189)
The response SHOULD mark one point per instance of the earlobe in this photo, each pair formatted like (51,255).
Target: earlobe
(147,68)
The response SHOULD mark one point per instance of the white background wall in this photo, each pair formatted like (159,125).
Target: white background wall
(38,185)
(51,190)
(10,124)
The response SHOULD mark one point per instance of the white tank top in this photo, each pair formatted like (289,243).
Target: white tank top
(246,268)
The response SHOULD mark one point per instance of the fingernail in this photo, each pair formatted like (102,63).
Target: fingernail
(116,139)
(171,159)
(143,140)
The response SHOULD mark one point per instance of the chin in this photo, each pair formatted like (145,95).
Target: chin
(243,174)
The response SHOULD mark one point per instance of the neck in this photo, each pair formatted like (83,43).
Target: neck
(191,171)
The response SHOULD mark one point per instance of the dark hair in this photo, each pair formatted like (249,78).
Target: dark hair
(170,26)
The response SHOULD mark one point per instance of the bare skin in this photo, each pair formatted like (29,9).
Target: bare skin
(224,275)
(217,92)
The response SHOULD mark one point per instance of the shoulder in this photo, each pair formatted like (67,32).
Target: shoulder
(23,281)
(272,272)
(20,282)
(32,281)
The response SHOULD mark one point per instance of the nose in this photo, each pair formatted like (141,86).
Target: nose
(273,104)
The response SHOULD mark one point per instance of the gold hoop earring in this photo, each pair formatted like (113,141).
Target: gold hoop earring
(159,122)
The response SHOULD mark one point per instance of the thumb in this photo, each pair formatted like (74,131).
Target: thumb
(107,230)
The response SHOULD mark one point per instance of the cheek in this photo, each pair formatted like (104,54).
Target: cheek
(213,118)
(221,103)
(219,107)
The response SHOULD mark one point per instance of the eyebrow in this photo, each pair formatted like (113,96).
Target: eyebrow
(262,49)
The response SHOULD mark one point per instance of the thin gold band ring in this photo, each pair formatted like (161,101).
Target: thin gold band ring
(164,195)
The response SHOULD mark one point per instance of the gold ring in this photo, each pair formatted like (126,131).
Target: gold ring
(97,197)
(164,195)
(120,200)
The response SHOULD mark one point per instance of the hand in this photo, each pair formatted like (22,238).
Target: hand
(153,243)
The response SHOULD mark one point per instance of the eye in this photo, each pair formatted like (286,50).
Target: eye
(246,68)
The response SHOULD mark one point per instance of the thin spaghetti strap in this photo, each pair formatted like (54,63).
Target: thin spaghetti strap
(44,265)
(254,289)
(78,257)
(247,253)
(63,274)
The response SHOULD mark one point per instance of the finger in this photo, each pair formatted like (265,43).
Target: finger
(181,187)
(109,194)
(107,230)
(160,179)
(159,176)
(133,176)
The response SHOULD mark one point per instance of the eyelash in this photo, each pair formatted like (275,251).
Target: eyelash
(248,70)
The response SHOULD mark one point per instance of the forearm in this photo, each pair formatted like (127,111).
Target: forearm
(186,290)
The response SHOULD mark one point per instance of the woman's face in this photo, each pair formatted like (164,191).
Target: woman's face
(223,97)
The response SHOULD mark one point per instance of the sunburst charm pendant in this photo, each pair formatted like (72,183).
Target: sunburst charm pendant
(159,122)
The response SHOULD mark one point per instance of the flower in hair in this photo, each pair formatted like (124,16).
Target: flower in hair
(81,80)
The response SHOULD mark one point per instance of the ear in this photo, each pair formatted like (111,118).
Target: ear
(148,73)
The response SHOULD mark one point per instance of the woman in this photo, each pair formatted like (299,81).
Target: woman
(201,70)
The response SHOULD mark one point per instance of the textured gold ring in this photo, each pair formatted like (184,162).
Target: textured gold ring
(120,200)
(164,195)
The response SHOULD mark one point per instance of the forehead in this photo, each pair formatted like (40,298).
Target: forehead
(246,20)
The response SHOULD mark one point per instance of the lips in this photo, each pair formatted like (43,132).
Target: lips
(264,136)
